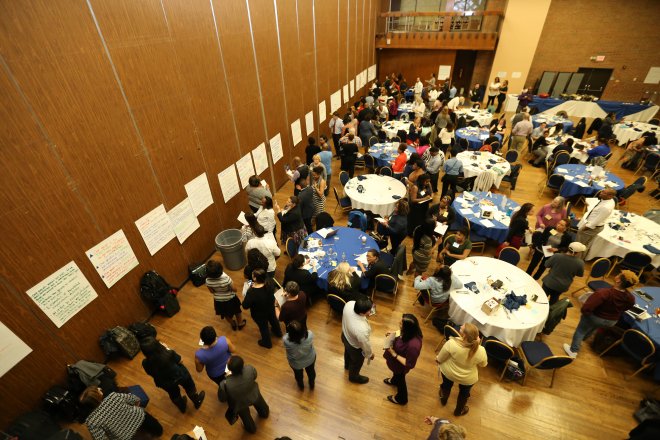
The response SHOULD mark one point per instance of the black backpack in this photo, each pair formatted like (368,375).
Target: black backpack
(197,274)
(119,340)
(36,425)
(153,287)
(143,330)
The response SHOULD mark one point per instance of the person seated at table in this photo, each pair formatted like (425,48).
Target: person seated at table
(437,286)
(453,170)
(540,150)
(256,192)
(566,146)
(557,130)
(295,306)
(557,237)
(396,226)
(491,139)
(349,151)
(564,267)
(603,148)
(422,145)
(456,248)
(498,124)
(382,112)
(399,163)
(418,107)
(551,213)
(477,93)
(392,108)
(382,98)
(423,243)
(306,280)
(344,282)
(375,266)
(291,221)
(517,227)
(446,137)
(443,212)
(434,159)
(420,194)
(414,130)
(409,168)
(538,131)
(636,150)
(299,170)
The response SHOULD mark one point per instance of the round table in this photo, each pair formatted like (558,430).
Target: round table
(512,327)
(651,326)
(635,230)
(346,244)
(630,131)
(475,162)
(581,155)
(551,121)
(379,193)
(391,128)
(495,228)
(483,117)
(476,136)
(577,181)
(385,153)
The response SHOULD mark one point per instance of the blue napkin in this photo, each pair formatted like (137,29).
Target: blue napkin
(362,178)
(383,155)
(493,161)
(615,226)
(489,167)
(513,302)
(396,197)
(652,249)
(472,287)
(624,220)
(637,129)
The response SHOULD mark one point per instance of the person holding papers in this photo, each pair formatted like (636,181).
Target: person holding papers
(256,192)
(437,286)
(396,227)
(563,268)
(375,267)
(443,212)
(266,245)
(420,194)
(266,216)
(260,300)
(456,248)
(297,273)
(518,227)
(552,239)
(401,355)
(291,221)
(295,306)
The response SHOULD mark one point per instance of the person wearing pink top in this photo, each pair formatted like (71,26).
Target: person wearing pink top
(551,214)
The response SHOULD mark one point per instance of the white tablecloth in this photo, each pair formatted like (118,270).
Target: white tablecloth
(581,155)
(514,327)
(637,233)
(377,194)
(482,159)
(406,107)
(483,117)
(632,131)
(392,127)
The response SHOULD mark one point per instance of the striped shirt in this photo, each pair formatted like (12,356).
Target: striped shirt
(221,288)
(118,418)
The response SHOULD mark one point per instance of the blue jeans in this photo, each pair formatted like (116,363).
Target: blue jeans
(587,325)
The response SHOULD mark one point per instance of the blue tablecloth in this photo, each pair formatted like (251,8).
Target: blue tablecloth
(621,109)
(499,231)
(649,326)
(384,158)
(475,136)
(579,173)
(346,242)
(551,121)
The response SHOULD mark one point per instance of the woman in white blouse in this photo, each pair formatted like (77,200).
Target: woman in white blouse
(266,216)
(493,91)
(419,107)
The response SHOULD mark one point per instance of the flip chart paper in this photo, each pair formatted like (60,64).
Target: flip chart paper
(63,294)
(516,74)
(245,169)
(199,193)
(335,101)
(156,229)
(183,220)
(260,158)
(113,258)
(229,183)
(296,134)
(12,349)
(345,93)
(276,148)
(351,86)
(309,123)
(444,72)
(371,73)
(322,111)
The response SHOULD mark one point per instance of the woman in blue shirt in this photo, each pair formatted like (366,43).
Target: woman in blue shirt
(214,354)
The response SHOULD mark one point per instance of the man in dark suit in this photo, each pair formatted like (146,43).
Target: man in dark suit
(306,202)
(376,267)
(241,390)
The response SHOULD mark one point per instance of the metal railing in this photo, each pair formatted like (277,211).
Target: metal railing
(398,22)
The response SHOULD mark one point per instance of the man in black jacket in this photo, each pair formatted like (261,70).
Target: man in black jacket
(376,267)
(241,390)
(306,202)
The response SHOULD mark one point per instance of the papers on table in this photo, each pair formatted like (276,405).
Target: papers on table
(362,258)
(466,211)
(324,232)
(582,184)
(569,178)
(440,228)
(547,253)
(467,196)
(487,223)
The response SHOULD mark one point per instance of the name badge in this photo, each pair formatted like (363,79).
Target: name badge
(456,245)
(548,217)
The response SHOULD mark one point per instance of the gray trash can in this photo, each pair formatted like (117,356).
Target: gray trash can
(230,243)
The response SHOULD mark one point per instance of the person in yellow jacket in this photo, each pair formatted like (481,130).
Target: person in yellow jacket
(458,361)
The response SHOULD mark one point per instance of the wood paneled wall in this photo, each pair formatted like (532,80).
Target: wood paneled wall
(109,107)
(413,63)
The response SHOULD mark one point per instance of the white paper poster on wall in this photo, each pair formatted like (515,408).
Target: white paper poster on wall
(63,294)
(199,193)
(276,148)
(345,93)
(653,77)
(296,133)
(229,183)
(113,258)
(245,169)
(501,74)
(358,78)
(322,111)
(156,229)
(364,77)
(335,101)
(516,74)
(444,72)
(351,86)
(184,221)
(12,349)
(260,158)
(309,122)
(371,73)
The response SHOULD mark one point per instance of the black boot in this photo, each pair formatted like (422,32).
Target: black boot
(461,407)
(181,403)
(198,399)
(444,395)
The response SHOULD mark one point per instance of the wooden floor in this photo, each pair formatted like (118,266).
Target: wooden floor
(591,399)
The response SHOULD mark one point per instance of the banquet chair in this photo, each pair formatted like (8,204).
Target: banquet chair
(373,140)
(342,202)
(396,139)
(654,121)
(499,351)
(335,306)
(435,307)
(495,147)
(450,330)
(343,178)
(385,171)
(291,248)
(554,182)
(476,239)
(324,220)
(539,356)
(512,177)
(637,345)
(635,261)
(405,117)
(359,163)
(385,284)
(651,163)
(599,269)
(562,158)
(562,114)
(511,156)
(510,255)
(473,123)
(484,181)
(369,163)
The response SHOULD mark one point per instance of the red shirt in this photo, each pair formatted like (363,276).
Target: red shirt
(609,303)
(400,163)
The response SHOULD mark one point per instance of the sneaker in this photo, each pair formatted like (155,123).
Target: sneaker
(569,352)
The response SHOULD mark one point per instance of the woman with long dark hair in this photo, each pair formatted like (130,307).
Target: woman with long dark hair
(402,356)
(420,194)
(423,242)
(518,226)
(299,345)
(255,260)
(260,300)
(436,287)
(168,372)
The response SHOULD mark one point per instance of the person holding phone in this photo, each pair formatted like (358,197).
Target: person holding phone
(401,356)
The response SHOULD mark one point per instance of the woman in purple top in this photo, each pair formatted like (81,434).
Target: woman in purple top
(214,355)
(402,356)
